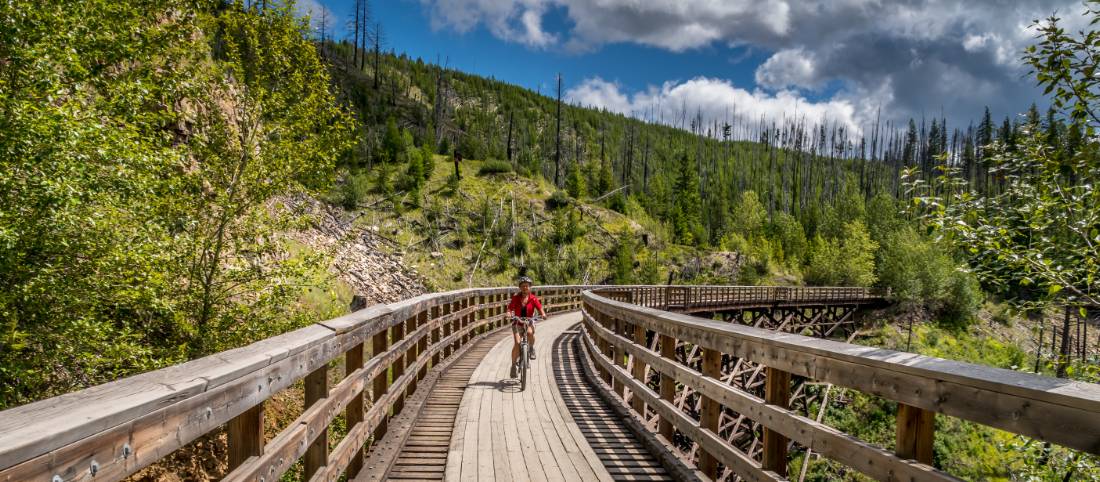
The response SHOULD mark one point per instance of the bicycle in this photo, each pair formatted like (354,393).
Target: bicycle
(524,349)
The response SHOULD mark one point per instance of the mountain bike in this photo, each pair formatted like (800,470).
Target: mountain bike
(524,361)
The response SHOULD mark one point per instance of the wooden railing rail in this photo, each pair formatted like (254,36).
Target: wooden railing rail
(702,297)
(618,328)
(113,430)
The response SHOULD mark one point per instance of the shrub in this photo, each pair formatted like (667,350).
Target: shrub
(848,261)
(920,271)
(494,167)
(557,200)
(354,189)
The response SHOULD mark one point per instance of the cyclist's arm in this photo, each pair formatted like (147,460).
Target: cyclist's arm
(538,306)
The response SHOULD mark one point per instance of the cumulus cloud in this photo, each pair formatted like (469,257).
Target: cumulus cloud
(512,20)
(918,47)
(788,68)
(714,99)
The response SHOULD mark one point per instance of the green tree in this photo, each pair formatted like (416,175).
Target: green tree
(749,214)
(848,261)
(686,215)
(575,183)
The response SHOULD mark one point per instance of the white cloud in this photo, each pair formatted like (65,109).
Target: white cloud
(788,68)
(512,20)
(713,99)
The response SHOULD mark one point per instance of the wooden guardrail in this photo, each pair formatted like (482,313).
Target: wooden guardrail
(616,333)
(705,297)
(113,430)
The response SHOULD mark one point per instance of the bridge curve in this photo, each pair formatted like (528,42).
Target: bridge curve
(692,394)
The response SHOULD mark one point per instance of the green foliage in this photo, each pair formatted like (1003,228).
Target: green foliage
(847,261)
(749,215)
(393,143)
(918,271)
(558,200)
(143,147)
(575,183)
(622,261)
(686,216)
(494,167)
(427,158)
(354,190)
(791,238)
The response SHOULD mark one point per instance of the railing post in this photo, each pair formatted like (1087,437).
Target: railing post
(353,360)
(777,391)
(455,323)
(639,370)
(617,356)
(411,354)
(915,433)
(397,335)
(446,310)
(668,383)
(381,381)
(246,435)
(708,419)
(605,346)
(422,345)
(463,321)
(316,390)
(435,334)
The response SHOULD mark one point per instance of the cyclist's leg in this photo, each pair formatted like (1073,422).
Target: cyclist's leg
(531,339)
(515,344)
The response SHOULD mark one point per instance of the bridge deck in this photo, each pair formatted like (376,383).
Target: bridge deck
(504,434)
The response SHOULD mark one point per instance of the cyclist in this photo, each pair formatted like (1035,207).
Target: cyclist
(524,304)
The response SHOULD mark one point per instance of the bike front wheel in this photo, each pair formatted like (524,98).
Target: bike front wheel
(523,367)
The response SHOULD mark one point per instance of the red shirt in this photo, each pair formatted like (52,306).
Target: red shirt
(532,307)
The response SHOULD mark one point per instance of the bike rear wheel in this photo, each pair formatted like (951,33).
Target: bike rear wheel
(523,367)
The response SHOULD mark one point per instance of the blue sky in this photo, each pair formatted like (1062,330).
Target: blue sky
(836,60)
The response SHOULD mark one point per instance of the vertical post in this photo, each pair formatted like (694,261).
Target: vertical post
(381,381)
(708,419)
(397,333)
(316,390)
(422,345)
(617,356)
(639,370)
(604,346)
(915,431)
(435,334)
(455,325)
(246,435)
(446,310)
(668,384)
(412,353)
(353,360)
(777,391)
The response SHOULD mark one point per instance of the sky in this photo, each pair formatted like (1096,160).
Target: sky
(844,61)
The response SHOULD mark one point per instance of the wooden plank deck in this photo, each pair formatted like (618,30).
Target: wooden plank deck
(502,433)
(423,455)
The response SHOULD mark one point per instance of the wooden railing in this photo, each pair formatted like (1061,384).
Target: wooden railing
(110,431)
(688,298)
(618,336)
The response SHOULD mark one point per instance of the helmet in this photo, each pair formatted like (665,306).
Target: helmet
(524,279)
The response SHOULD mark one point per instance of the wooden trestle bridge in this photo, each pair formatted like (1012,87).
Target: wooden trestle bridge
(630,383)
